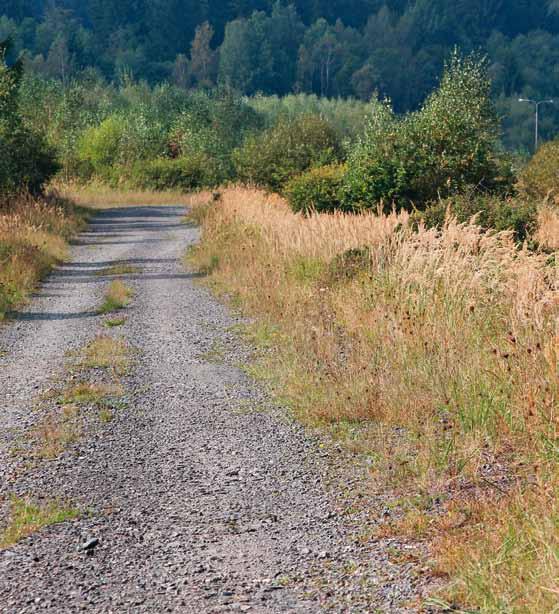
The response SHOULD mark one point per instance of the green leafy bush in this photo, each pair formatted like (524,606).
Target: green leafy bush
(316,190)
(447,146)
(293,146)
(27,162)
(491,213)
(187,173)
(100,145)
(213,125)
(540,178)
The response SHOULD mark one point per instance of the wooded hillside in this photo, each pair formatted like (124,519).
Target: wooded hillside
(349,48)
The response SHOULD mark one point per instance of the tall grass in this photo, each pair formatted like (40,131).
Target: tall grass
(433,352)
(33,238)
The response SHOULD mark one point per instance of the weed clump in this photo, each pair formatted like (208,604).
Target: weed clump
(117,297)
(105,352)
(26,518)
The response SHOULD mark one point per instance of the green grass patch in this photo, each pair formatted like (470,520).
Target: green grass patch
(26,518)
(85,393)
(114,322)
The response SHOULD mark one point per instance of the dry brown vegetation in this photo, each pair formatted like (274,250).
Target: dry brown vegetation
(547,233)
(435,353)
(117,297)
(56,432)
(33,238)
(101,196)
(106,352)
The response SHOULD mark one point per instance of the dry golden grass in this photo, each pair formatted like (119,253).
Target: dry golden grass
(33,235)
(101,196)
(434,352)
(57,432)
(117,297)
(547,233)
(106,352)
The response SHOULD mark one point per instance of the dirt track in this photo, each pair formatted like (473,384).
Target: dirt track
(204,496)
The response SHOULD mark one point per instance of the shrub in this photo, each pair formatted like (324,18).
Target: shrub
(213,125)
(293,146)
(100,145)
(188,173)
(540,179)
(450,144)
(27,162)
(316,190)
(492,213)
(120,140)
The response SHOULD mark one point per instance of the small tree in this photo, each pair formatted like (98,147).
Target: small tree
(203,59)
(448,145)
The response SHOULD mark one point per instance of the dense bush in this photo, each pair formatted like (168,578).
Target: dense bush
(27,162)
(100,145)
(450,144)
(540,179)
(186,173)
(347,116)
(316,190)
(122,139)
(293,146)
(213,125)
(491,213)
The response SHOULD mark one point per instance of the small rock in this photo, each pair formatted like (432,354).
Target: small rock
(90,545)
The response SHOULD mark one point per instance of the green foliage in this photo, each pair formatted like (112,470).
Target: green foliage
(100,145)
(540,178)
(490,212)
(185,173)
(334,48)
(316,190)
(27,161)
(348,116)
(123,140)
(273,157)
(213,124)
(450,144)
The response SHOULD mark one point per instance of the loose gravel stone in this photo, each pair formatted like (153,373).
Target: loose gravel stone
(189,504)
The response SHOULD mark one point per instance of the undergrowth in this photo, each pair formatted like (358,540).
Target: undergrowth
(33,238)
(435,353)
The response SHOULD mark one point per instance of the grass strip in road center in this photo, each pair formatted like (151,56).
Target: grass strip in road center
(117,297)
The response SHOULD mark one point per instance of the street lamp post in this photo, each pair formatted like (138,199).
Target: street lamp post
(537,104)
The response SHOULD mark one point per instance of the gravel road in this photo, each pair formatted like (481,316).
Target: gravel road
(203,496)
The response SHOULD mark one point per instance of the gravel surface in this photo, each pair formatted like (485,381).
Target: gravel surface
(200,495)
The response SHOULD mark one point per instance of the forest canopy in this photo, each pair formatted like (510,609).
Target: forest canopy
(332,48)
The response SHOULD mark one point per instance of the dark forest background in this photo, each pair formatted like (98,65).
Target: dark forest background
(333,48)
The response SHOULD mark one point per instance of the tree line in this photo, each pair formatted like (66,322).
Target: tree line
(332,48)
